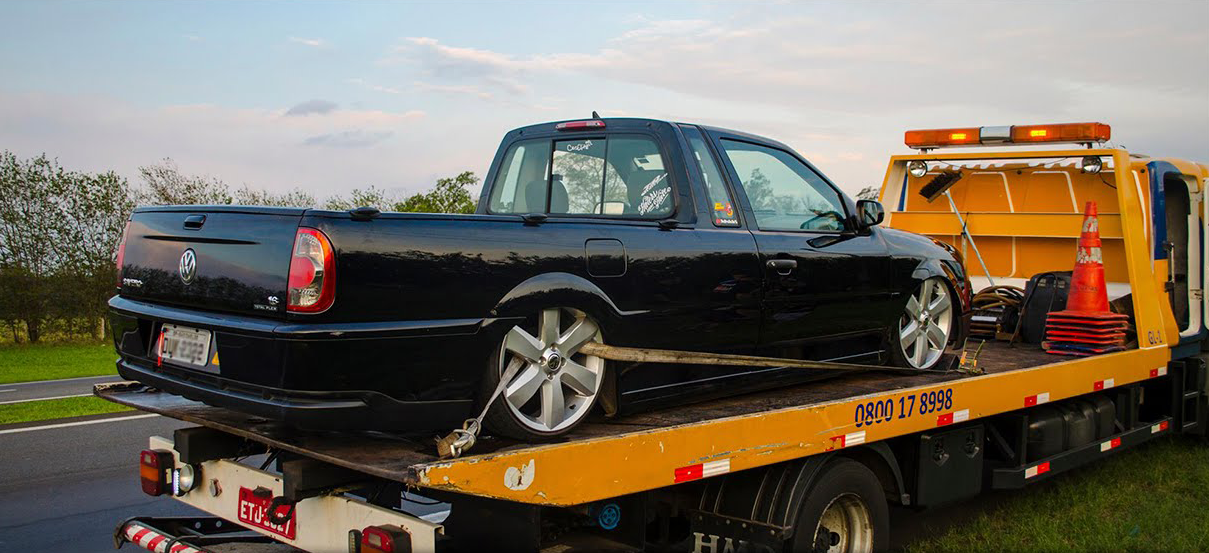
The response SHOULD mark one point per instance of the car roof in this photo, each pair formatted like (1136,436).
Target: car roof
(630,122)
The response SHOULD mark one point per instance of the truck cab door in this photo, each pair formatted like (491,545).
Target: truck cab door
(826,286)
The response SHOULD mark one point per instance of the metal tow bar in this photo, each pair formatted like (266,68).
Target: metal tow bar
(461,440)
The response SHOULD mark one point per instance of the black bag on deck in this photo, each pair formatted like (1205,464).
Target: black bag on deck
(1044,293)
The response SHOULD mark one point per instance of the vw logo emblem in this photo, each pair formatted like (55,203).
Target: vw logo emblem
(188,266)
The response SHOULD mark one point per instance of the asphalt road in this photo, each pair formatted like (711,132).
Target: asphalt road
(51,389)
(65,489)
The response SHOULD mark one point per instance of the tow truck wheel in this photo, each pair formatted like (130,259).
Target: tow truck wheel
(554,386)
(844,511)
(925,326)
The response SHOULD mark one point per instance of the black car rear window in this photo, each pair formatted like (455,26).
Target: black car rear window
(622,176)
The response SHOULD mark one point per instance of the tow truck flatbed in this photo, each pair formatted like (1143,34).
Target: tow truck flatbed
(764,471)
(745,431)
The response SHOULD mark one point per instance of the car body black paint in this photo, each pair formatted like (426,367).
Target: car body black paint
(423,299)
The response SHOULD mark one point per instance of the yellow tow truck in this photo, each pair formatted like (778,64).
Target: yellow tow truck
(806,468)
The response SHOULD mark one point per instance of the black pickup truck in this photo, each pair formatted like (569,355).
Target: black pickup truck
(629,232)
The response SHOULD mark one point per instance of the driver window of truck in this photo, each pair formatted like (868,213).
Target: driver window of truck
(784,192)
(520,185)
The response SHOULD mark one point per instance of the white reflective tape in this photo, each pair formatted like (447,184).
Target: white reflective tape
(962,415)
(1042,397)
(1105,446)
(714,468)
(1109,383)
(1162,370)
(854,438)
(1030,472)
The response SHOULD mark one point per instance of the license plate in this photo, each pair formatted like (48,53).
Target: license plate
(185,345)
(254,511)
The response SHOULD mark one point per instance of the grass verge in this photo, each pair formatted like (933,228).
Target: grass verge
(30,362)
(1153,498)
(57,409)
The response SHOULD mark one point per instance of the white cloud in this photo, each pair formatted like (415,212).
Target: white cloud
(312,42)
(311,107)
(323,154)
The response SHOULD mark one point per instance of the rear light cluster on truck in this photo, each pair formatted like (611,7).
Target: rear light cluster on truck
(122,252)
(155,471)
(379,539)
(312,283)
(1080,133)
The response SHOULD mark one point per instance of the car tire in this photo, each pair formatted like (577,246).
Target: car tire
(918,337)
(845,510)
(551,372)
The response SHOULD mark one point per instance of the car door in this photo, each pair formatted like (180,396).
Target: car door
(826,286)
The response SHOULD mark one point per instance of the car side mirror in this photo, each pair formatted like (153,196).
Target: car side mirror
(869,213)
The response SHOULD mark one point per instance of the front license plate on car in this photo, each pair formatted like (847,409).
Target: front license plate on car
(183,344)
(254,511)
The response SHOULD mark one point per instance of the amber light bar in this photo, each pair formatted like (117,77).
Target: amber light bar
(1082,133)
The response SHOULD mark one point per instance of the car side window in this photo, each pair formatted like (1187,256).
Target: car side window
(785,193)
(520,185)
(721,205)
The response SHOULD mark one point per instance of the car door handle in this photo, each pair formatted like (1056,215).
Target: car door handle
(782,266)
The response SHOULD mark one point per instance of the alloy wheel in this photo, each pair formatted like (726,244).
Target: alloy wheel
(555,385)
(923,329)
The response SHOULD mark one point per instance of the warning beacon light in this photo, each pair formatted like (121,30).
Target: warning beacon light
(1080,133)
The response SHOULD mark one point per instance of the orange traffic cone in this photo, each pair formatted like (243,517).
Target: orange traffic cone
(1087,291)
(1086,326)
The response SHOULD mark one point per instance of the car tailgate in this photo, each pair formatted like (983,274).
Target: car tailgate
(218,258)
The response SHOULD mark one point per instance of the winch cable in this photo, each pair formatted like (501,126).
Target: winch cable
(461,440)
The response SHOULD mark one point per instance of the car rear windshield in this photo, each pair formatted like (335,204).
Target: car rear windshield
(622,176)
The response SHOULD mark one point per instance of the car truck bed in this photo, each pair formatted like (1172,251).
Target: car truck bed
(610,457)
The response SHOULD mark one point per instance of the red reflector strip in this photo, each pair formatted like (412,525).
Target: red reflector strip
(1110,444)
(151,540)
(1038,399)
(950,418)
(1036,470)
(1158,427)
(579,125)
(703,470)
(847,440)
(1103,384)
(1161,371)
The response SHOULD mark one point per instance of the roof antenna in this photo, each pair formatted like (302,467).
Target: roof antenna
(595,115)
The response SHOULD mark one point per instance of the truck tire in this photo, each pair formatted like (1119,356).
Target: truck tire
(845,510)
(555,387)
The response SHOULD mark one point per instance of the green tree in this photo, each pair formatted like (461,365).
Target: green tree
(367,197)
(58,233)
(450,195)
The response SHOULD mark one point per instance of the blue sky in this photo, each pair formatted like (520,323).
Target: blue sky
(327,97)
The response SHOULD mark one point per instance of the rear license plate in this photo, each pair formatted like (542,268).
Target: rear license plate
(254,511)
(187,345)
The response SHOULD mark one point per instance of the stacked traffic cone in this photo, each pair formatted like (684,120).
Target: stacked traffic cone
(1086,326)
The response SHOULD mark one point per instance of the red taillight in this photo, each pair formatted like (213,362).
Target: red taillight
(122,252)
(312,283)
(155,471)
(586,124)
(385,539)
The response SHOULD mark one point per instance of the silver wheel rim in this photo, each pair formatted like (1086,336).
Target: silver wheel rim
(555,385)
(923,330)
(847,525)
